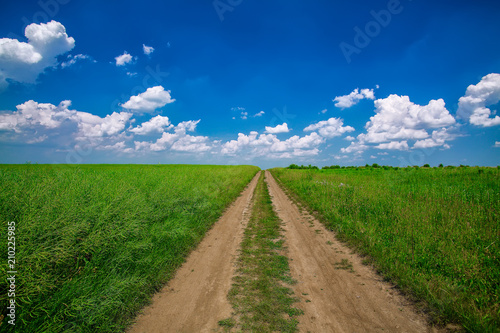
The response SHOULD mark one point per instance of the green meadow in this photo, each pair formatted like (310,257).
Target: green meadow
(434,232)
(94,242)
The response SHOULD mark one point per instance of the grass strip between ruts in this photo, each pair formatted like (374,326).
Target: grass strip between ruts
(260,295)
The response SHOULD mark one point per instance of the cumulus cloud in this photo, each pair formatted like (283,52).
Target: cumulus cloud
(330,128)
(94,126)
(154,125)
(268,145)
(36,122)
(473,106)
(346,101)
(497,144)
(397,118)
(150,100)
(355,147)
(259,114)
(33,118)
(147,49)
(123,59)
(438,139)
(178,141)
(283,128)
(23,62)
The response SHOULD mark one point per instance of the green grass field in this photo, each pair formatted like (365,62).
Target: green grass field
(93,242)
(434,232)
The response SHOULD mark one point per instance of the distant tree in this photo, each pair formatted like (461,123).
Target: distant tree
(427,165)
(375,165)
(441,165)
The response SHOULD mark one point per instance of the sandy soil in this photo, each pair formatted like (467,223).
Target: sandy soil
(335,299)
(196,298)
(353,299)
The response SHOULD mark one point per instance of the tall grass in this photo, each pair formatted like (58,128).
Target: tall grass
(94,242)
(434,232)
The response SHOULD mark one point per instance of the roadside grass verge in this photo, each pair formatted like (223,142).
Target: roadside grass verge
(94,242)
(261,300)
(433,232)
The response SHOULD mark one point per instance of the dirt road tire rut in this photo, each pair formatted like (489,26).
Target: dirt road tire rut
(338,293)
(196,298)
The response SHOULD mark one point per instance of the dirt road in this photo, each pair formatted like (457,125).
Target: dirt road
(196,298)
(334,296)
(337,293)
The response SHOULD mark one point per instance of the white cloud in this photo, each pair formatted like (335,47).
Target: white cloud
(244,115)
(32,114)
(154,125)
(393,145)
(147,49)
(497,144)
(150,100)
(238,108)
(353,98)
(438,139)
(268,145)
(324,111)
(259,114)
(94,126)
(473,106)
(123,59)
(283,128)
(178,141)
(330,128)
(354,147)
(120,146)
(23,62)
(397,118)
(37,121)
(71,60)
(194,144)
(349,138)
(187,126)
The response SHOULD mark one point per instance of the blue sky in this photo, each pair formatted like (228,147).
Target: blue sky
(250,82)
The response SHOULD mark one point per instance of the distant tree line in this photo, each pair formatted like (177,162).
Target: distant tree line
(373,166)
